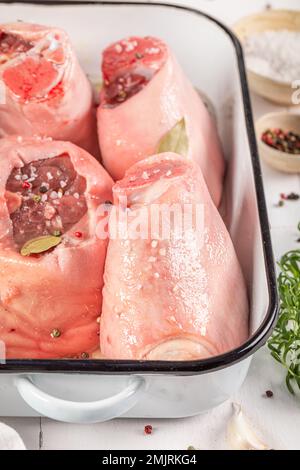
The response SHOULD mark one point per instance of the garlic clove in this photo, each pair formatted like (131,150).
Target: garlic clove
(240,435)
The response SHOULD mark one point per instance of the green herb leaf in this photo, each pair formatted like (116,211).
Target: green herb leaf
(175,140)
(284,343)
(40,244)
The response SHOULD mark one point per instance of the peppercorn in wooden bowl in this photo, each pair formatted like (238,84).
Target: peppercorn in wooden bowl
(278,138)
(260,34)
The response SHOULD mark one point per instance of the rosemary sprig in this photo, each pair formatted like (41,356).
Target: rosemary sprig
(284,344)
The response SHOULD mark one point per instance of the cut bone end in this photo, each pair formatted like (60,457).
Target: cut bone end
(154,169)
(182,349)
(142,180)
(31,78)
(132,52)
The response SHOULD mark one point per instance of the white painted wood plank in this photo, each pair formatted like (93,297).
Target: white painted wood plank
(284,239)
(271,416)
(28,428)
(276,183)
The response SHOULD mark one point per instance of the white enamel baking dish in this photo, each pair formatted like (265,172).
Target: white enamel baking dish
(86,391)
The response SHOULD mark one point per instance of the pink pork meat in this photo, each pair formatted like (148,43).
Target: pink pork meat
(176,297)
(44,90)
(146,97)
(51,261)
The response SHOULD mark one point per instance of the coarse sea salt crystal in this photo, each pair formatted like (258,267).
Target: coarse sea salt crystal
(130,45)
(152,50)
(274,54)
(58,221)
(54,44)
(33,173)
(118,48)
(49,212)
(53,195)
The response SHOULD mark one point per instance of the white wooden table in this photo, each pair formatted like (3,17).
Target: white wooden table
(277,419)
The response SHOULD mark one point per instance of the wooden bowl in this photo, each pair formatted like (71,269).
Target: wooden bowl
(276,91)
(281,161)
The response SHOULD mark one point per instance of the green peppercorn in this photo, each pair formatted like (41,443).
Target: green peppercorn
(55,333)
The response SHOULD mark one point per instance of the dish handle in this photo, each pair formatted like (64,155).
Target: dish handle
(80,412)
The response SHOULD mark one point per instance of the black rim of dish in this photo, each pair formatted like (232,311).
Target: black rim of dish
(104,366)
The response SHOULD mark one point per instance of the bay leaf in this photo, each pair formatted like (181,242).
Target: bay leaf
(40,244)
(175,140)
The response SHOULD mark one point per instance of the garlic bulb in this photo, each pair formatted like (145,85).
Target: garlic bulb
(240,435)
